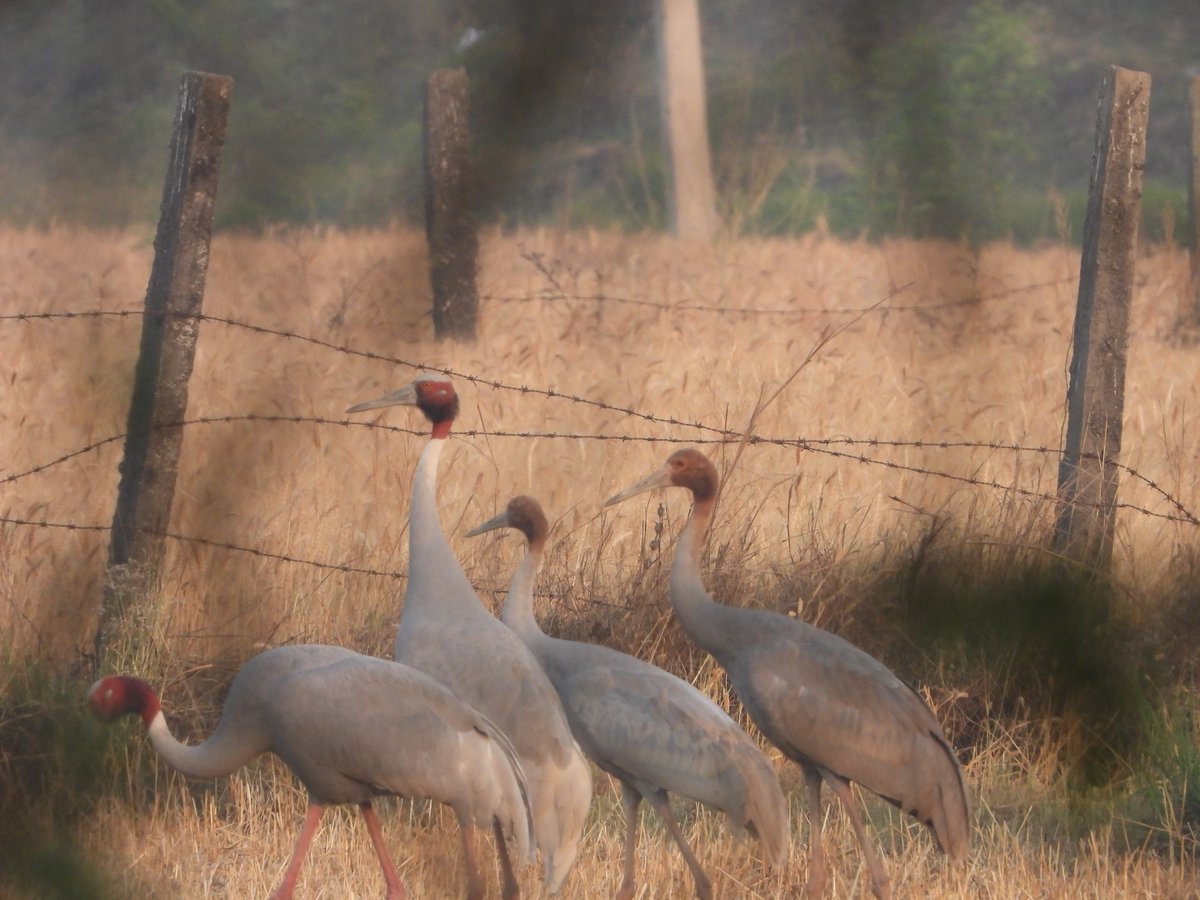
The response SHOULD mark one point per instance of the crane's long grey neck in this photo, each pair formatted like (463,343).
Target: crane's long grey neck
(518,605)
(436,581)
(221,754)
(699,614)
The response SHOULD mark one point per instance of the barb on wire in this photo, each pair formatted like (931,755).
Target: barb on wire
(209,542)
(85,314)
(42,467)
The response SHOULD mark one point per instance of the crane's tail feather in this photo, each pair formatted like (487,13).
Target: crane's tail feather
(518,818)
(564,810)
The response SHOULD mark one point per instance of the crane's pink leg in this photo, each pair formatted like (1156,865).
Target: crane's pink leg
(815,886)
(395,887)
(311,819)
(510,889)
(631,799)
(663,808)
(474,880)
(879,879)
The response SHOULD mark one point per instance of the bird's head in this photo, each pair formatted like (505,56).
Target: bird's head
(525,515)
(116,695)
(686,468)
(432,393)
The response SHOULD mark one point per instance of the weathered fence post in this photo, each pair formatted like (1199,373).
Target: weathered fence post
(450,226)
(693,199)
(1088,474)
(169,328)
(1194,197)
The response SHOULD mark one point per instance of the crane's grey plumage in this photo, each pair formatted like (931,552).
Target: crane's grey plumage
(352,728)
(835,710)
(446,632)
(652,731)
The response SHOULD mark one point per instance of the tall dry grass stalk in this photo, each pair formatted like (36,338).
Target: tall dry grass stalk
(964,347)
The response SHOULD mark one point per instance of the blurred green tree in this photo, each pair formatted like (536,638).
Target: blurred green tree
(923,116)
(953,106)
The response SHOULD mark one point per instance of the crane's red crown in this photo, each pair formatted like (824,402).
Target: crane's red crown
(437,398)
(114,696)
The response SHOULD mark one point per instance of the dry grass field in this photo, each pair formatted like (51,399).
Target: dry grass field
(954,346)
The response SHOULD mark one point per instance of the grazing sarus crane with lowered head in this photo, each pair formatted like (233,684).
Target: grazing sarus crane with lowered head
(650,730)
(834,709)
(352,728)
(446,632)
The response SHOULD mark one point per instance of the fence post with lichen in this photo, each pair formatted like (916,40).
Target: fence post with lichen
(174,299)
(1088,474)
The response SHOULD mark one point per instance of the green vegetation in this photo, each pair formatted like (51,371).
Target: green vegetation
(55,762)
(953,107)
(948,120)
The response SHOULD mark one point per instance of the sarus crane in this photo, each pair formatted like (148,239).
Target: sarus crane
(352,728)
(837,711)
(652,731)
(446,632)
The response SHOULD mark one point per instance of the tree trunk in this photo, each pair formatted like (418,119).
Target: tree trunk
(449,205)
(692,198)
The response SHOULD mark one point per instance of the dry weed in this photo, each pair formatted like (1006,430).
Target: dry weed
(968,346)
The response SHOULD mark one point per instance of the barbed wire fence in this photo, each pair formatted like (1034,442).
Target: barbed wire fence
(1086,462)
(556,292)
(869,451)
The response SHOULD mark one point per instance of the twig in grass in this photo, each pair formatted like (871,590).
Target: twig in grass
(828,335)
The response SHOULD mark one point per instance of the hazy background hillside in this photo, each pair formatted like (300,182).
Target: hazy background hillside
(923,118)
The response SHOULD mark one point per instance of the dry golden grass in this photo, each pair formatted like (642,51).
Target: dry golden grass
(797,529)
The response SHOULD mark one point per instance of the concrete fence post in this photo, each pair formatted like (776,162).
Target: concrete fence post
(170,326)
(1088,474)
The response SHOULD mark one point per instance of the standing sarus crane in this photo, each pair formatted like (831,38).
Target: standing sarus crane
(652,731)
(837,711)
(446,632)
(352,728)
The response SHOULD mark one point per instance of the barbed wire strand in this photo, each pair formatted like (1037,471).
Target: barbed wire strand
(556,292)
(549,393)
(557,295)
(209,542)
(815,445)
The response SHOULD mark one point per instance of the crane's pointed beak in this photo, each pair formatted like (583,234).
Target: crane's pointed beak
(95,702)
(657,479)
(405,396)
(500,521)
